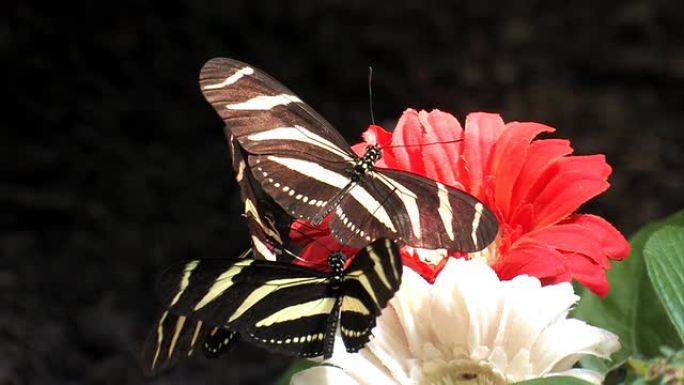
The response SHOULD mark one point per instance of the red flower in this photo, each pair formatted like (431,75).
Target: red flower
(533,186)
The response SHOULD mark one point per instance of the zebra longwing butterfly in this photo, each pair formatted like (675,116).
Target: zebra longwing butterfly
(308,168)
(287,308)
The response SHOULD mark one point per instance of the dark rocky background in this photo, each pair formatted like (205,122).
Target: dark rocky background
(114,166)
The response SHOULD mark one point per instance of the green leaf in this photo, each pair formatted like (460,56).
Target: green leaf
(664,255)
(632,310)
(554,381)
(295,366)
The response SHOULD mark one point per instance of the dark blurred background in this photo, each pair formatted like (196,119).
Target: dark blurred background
(115,166)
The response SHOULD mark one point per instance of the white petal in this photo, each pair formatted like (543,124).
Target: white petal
(470,320)
(527,309)
(566,341)
(390,347)
(322,375)
(465,304)
(410,303)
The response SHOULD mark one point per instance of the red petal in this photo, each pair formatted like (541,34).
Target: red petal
(406,143)
(426,271)
(613,243)
(572,238)
(588,273)
(481,133)
(378,136)
(315,253)
(589,164)
(302,231)
(442,147)
(540,156)
(509,155)
(532,259)
(564,194)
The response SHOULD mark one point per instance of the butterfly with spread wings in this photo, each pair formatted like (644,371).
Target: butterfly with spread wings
(308,168)
(287,308)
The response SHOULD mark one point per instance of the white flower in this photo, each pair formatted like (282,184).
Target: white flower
(469,328)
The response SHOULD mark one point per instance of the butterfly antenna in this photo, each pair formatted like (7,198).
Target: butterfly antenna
(422,144)
(370,93)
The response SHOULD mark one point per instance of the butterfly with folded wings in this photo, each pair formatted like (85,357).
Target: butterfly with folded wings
(308,168)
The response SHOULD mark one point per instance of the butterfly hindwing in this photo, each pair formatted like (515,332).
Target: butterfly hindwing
(372,278)
(268,223)
(294,323)
(218,340)
(305,187)
(437,214)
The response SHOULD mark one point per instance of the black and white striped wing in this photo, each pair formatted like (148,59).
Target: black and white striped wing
(287,141)
(265,116)
(371,280)
(218,341)
(304,188)
(280,306)
(173,338)
(301,321)
(422,212)
(176,337)
(267,222)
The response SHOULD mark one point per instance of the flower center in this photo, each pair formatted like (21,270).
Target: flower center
(461,372)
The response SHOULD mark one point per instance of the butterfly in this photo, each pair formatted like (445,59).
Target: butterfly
(307,167)
(287,308)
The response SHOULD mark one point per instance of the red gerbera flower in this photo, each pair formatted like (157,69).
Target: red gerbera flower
(533,186)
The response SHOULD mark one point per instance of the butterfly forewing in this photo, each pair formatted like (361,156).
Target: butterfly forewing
(220,292)
(253,104)
(173,338)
